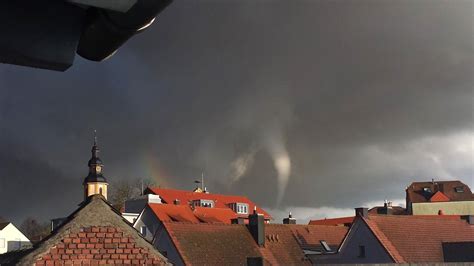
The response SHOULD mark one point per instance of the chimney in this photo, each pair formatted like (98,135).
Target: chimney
(257,227)
(289,219)
(362,212)
(238,220)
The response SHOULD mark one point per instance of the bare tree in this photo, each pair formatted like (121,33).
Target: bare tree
(35,230)
(123,190)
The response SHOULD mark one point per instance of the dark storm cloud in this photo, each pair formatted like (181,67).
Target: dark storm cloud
(364,96)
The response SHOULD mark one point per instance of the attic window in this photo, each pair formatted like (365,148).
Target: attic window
(427,190)
(203,203)
(325,245)
(240,208)
(459,189)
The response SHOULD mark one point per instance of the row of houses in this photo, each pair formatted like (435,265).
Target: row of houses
(168,226)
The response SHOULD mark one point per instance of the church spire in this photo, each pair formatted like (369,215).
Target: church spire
(95,182)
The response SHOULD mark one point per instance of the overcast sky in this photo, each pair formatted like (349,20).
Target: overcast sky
(312,106)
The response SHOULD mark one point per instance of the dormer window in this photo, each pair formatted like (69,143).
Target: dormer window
(203,203)
(240,208)
(459,189)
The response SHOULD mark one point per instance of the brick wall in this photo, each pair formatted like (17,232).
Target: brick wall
(98,245)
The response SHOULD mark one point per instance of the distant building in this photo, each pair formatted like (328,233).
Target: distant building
(93,234)
(257,243)
(342,221)
(405,239)
(388,209)
(446,197)
(198,206)
(11,238)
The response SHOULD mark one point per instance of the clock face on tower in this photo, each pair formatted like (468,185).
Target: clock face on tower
(98,169)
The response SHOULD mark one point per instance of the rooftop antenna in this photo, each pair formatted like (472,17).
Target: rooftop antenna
(202,181)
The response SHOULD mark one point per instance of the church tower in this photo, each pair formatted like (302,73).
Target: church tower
(95,182)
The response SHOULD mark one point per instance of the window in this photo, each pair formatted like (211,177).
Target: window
(361,251)
(203,203)
(241,208)
(459,189)
(143,230)
(427,189)
(2,242)
(325,246)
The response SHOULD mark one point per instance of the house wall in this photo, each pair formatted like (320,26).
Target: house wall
(450,207)
(156,233)
(165,245)
(148,219)
(359,235)
(12,239)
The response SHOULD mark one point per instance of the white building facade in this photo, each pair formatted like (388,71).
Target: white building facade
(12,239)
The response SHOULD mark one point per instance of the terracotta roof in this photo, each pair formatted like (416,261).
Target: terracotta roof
(184,213)
(439,197)
(224,244)
(423,191)
(171,212)
(309,236)
(412,239)
(342,221)
(221,201)
(94,234)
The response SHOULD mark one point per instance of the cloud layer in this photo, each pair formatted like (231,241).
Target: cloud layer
(307,104)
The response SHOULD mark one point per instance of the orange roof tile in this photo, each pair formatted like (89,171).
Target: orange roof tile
(220,201)
(171,212)
(439,197)
(309,236)
(223,244)
(412,239)
(184,213)
(333,221)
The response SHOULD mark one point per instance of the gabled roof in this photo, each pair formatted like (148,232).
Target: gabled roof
(221,201)
(3,225)
(184,213)
(342,221)
(412,239)
(94,233)
(423,191)
(224,244)
(439,197)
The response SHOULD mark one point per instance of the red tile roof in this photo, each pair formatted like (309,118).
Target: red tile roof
(223,244)
(415,192)
(412,239)
(342,221)
(309,236)
(220,201)
(171,212)
(184,213)
(439,197)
